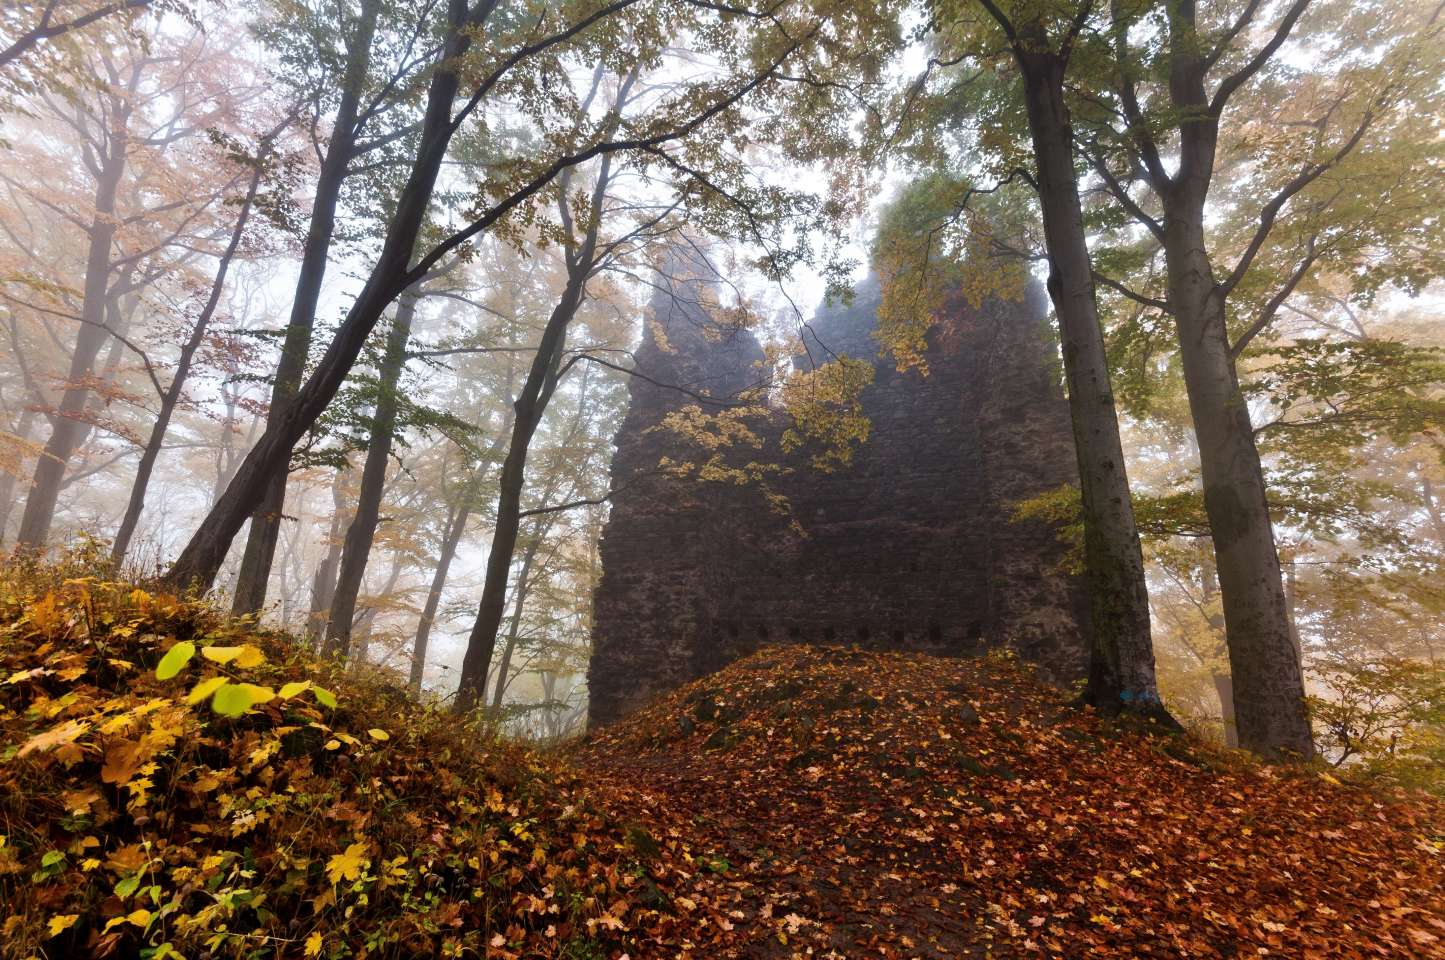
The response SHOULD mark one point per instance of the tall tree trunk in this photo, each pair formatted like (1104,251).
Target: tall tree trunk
(451,537)
(1269,700)
(323,585)
(514,627)
(1268,686)
(362,531)
(260,548)
(67,431)
(529,407)
(581,260)
(203,555)
(1121,663)
(172,396)
(7,481)
(1224,689)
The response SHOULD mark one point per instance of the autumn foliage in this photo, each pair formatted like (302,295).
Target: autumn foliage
(865,804)
(824,802)
(135,822)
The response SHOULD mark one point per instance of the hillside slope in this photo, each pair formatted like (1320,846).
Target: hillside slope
(893,805)
(176,784)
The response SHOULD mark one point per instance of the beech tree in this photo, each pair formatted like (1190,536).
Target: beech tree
(506,63)
(373,67)
(171,396)
(136,138)
(1160,143)
(948,220)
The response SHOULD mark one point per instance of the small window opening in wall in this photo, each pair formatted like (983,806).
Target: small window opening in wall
(829,634)
(762,632)
(863,635)
(975,630)
(898,637)
(913,566)
(732,630)
(935,633)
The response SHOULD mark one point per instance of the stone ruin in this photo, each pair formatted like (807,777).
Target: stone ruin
(911,547)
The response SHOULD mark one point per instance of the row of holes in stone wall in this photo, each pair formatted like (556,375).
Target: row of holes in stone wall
(861,635)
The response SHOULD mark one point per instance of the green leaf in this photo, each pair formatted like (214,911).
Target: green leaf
(127,885)
(234,699)
(176,657)
(324,697)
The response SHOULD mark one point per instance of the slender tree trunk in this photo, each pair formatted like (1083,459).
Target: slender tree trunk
(362,531)
(514,627)
(530,405)
(7,482)
(67,431)
(1121,667)
(323,584)
(1224,689)
(452,536)
(172,396)
(260,548)
(205,552)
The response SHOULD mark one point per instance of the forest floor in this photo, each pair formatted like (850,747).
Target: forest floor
(173,783)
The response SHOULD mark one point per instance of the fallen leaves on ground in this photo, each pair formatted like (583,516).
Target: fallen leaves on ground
(839,802)
(823,802)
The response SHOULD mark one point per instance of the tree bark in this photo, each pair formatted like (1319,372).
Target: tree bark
(362,531)
(514,627)
(203,555)
(67,431)
(451,538)
(260,550)
(529,407)
(1121,663)
(7,481)
(1269,700)
(172,396)
(323,584)
(1224,689)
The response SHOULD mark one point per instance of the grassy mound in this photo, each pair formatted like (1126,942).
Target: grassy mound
(229,811)
(889,805)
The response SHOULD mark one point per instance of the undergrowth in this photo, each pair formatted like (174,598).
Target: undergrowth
(259,802)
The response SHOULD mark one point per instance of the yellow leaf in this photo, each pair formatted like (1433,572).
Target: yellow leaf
(234,699)
(378,734)
(54,737)
(139,918)
(250,656)
(204,689)
(291,689)
(61,922)
(176,658)
(347,865)
(221,654)
(313,945)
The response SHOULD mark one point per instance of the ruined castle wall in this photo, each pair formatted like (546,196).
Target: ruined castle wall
(910,547)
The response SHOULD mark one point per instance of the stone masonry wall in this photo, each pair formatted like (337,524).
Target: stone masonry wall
(911,547)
